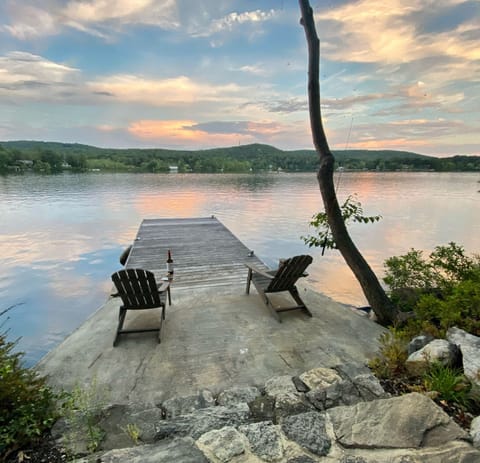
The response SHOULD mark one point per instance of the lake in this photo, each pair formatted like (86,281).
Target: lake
(61,236)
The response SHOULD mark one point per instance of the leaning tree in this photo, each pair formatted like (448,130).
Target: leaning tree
(377,298)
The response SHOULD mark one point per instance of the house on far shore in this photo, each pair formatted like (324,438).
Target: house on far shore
(173,169)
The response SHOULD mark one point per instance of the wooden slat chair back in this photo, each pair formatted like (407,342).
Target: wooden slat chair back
(282,279)
(138,290)
(288,272)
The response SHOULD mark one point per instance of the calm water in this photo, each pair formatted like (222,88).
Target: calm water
(61,236)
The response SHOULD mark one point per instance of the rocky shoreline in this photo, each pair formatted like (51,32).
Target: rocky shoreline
(322,415)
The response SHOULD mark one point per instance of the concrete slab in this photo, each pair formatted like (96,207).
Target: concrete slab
(214,338)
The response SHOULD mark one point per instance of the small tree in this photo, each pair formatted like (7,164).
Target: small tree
(382,306)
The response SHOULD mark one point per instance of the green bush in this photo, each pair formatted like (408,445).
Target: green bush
(444,267)
(27,405)
(390,361)
(442,290)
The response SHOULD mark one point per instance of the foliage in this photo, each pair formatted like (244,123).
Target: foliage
(27,404)
(352,211)
(445,266)
(132,431)
(450,384)
(442,291)
(83,412)
(392,354)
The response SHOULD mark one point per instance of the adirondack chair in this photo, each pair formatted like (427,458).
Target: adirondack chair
(282,279)
(139,291)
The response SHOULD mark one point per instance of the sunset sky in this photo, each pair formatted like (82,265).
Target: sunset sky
(190,74)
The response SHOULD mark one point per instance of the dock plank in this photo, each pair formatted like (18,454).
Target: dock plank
(204,251)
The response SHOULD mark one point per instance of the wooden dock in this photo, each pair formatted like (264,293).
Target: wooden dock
(204,251)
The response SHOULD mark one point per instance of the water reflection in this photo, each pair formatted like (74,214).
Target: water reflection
(61,236)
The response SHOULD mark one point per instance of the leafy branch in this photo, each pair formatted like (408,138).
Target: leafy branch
(352,211)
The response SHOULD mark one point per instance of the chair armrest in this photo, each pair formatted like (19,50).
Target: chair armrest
(163,286)
(260,271)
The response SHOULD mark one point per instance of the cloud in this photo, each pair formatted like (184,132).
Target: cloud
(179,91)
(24,75)
(183,133)
(233,21)
(377,31)
(426,135)
(106,18)
(189,134)
(29,21)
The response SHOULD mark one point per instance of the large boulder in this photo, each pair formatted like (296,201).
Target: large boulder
(409,421)
(418,342)
(180,450)
(437,351)
(202,421)
(470,348)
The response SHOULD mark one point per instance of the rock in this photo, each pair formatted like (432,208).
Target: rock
(308,430)
(436,351)
(369,387)
(352,459)
(475,432)
(120,422)
(265,440)
(470,348)
(180,450)
(237,395)
(412,420)
(325,387)
(288,404)
(177,406)
(72,435)
(222,444)
(300,385)
(301,459)
(451,452)
(418,342)
(320,378)
(202,421)
(279,385)
(262,408)
(338,393)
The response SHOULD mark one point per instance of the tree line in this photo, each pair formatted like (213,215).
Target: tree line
(51,157)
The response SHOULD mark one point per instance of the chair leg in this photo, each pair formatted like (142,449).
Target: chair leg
(249,280)
(162,319)
(269,305)
(121,319)
(299,301)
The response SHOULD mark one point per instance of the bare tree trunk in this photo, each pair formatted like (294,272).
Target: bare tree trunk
(382,306)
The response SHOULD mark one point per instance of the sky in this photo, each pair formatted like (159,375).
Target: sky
(196,74)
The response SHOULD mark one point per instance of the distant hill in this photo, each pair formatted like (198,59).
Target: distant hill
(242,158)
(238,152)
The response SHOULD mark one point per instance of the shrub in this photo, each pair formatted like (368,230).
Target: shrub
(390,361)
(445,267)
(442,291)
(27,405)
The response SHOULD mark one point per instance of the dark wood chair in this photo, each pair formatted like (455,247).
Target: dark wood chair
(282,279)
(139,291)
